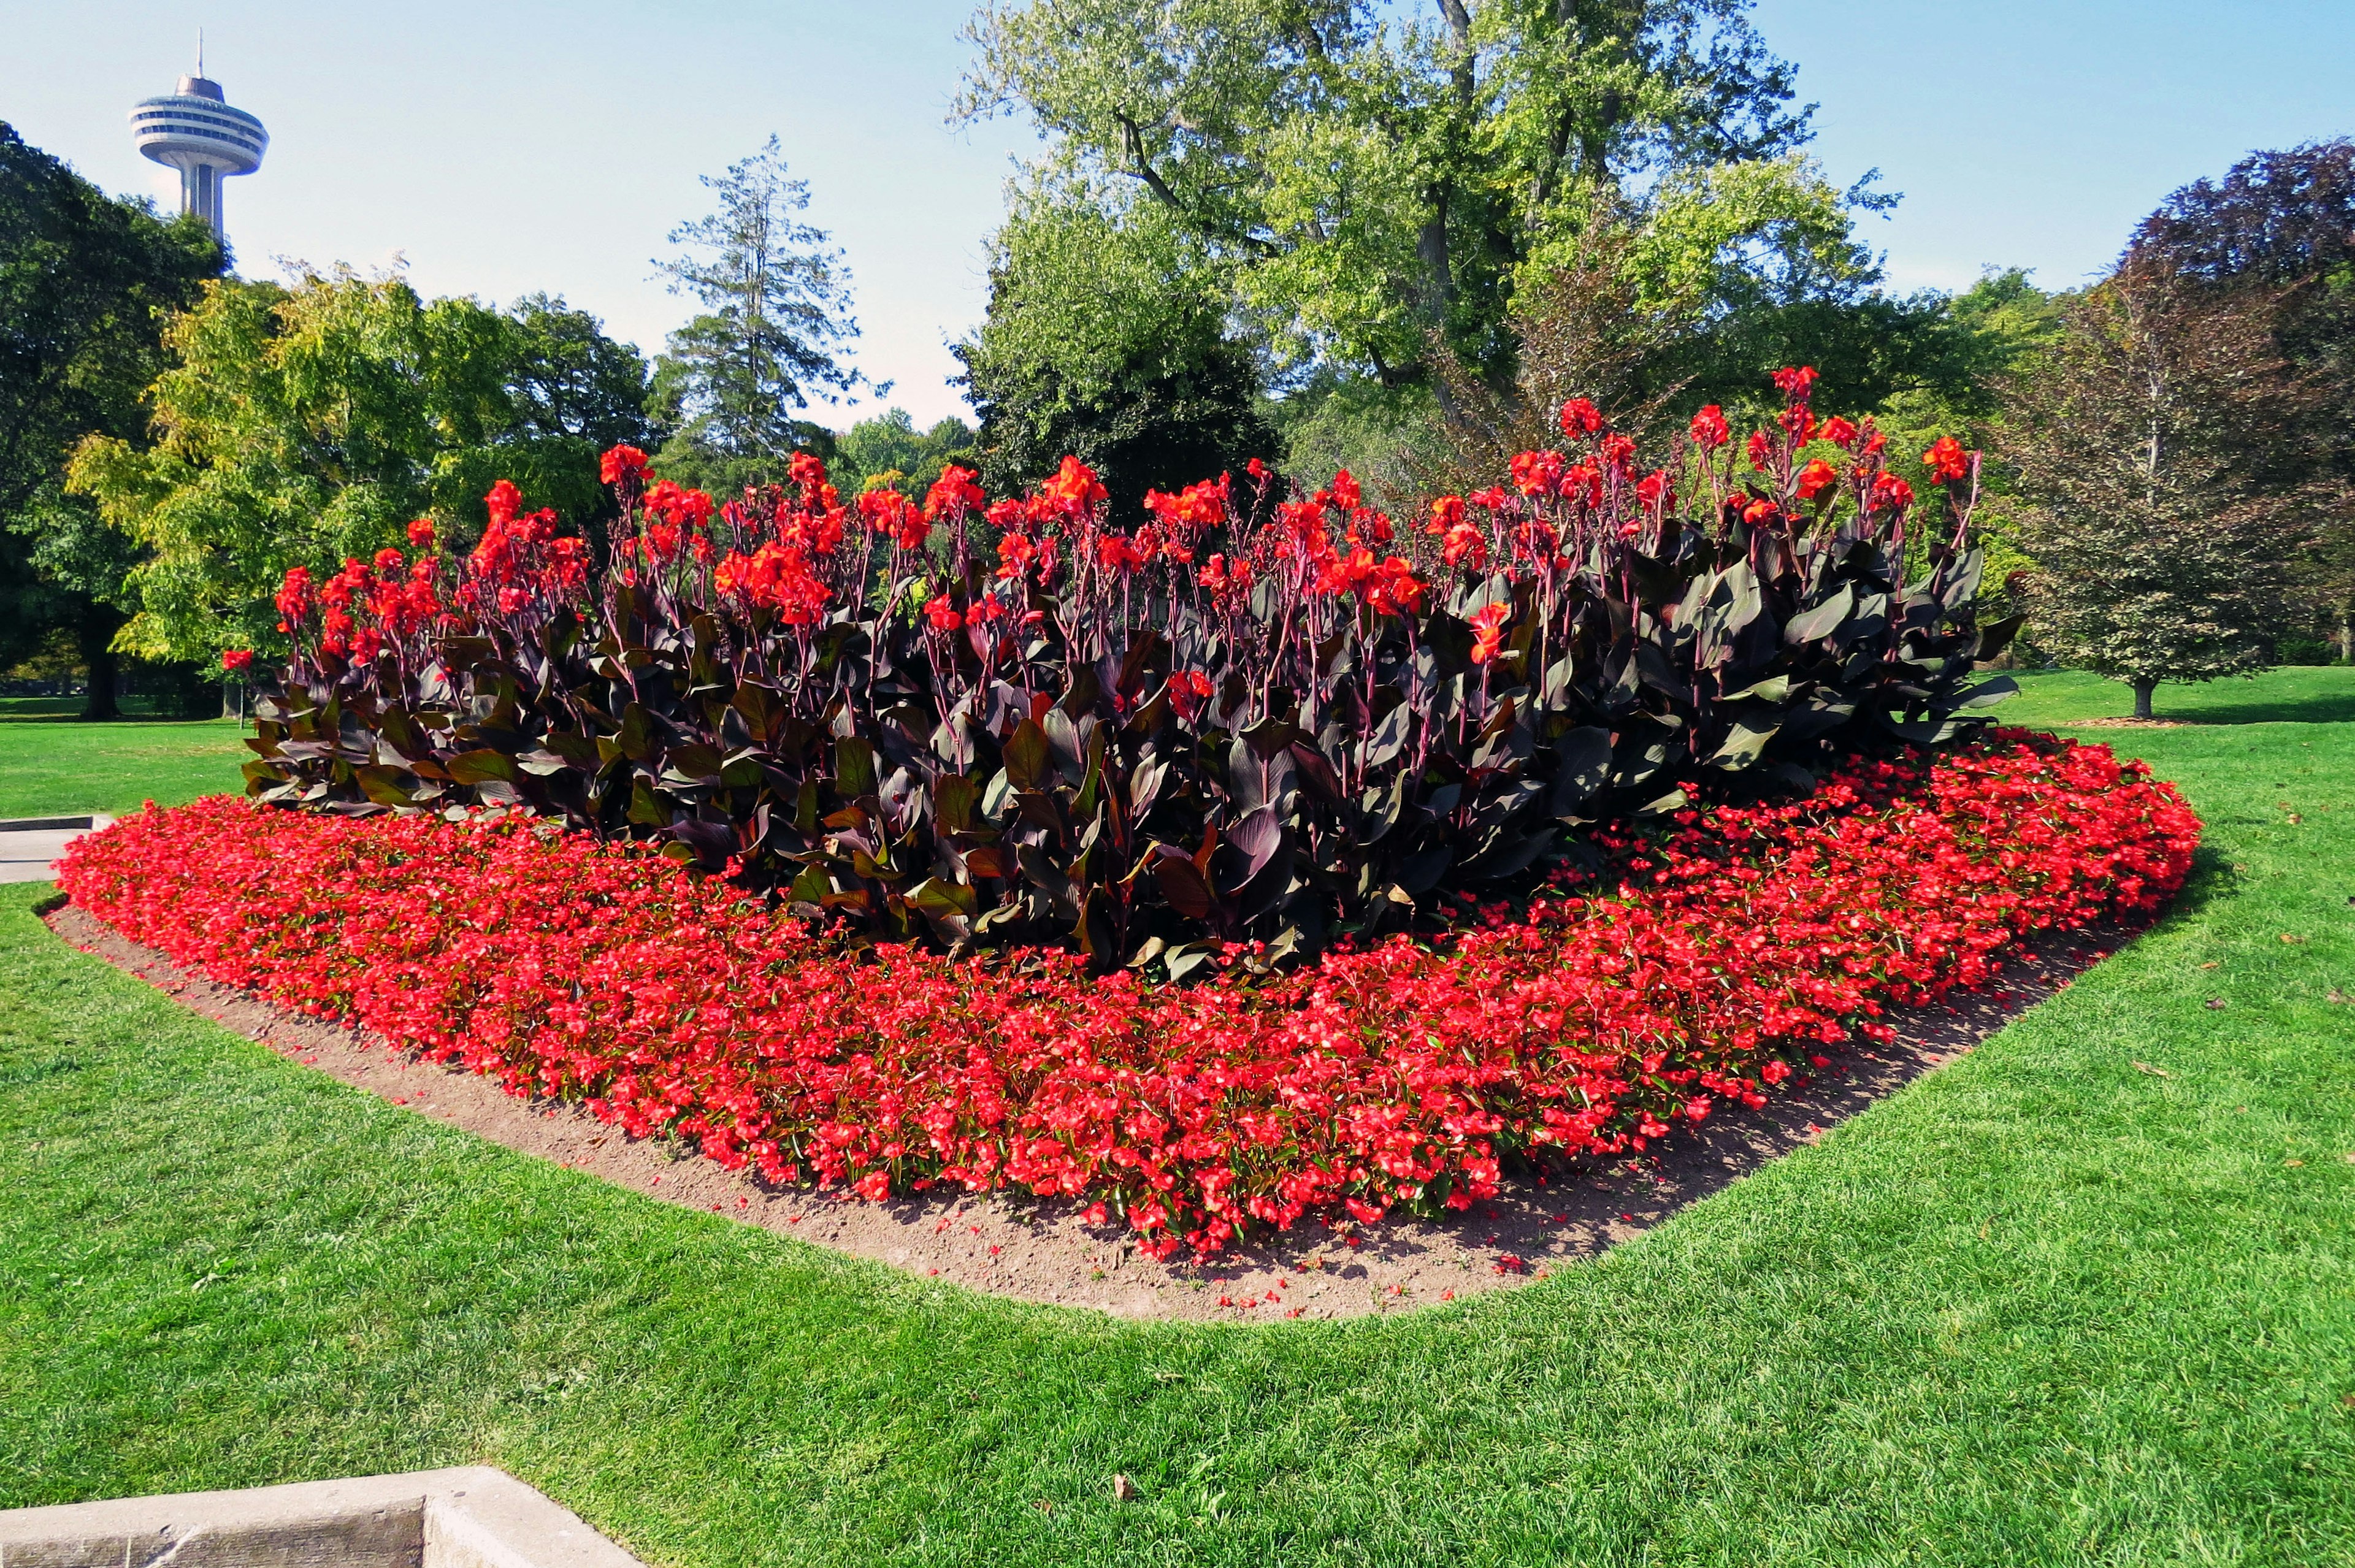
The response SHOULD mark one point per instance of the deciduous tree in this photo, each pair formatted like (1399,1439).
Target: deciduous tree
(2167,513)
(303,423)
(84,283)
(2280,227)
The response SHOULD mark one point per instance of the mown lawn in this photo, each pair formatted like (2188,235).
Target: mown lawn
(50,767)
(2087,1295)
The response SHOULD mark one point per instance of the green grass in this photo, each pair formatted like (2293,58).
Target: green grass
(49,768)
(2042,1307)
(2309,694)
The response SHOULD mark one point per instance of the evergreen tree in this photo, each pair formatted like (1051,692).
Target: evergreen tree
(776,305)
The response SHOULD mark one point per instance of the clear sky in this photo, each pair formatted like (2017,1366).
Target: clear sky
(503,147)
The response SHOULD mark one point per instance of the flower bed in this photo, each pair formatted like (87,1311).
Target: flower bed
(1713,955)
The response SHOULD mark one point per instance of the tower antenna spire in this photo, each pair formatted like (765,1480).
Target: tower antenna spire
(200,52)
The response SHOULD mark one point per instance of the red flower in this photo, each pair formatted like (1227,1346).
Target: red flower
(1795,381)
(1815,478)
(1487,631)
(504,502)
(1710,429)
(1538,472)
(621,465)
(1074,487)
(944,618)
(1579,418)
(954,492)
(421,534)
(237,661)
(1948,462)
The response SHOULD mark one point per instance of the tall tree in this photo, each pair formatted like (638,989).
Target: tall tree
(2280,227)
(2165,510)
(1107,338)
(84,283)
(776,313)
(1374,178)
(300,424)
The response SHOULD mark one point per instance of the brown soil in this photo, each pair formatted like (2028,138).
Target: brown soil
(2128,724)
(1041,1252)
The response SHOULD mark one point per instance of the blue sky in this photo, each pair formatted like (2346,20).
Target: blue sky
(504,147)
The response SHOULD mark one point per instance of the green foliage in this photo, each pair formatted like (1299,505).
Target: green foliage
(776,305)
(310,422)
(1329,421)
(887,448)
(1364,181)
(84,281)
(1107,338)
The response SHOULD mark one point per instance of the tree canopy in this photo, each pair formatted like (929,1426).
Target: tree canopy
(303,423)
(84,283)
(1370,178)
(2279,230)
(1107,338)
(888,447)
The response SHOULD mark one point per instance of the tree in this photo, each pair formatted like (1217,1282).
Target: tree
(300,424)
(776,307)
(1369,184)
(2281,226)
(888,447)
(83,281)
(1107,338)
(2165,510)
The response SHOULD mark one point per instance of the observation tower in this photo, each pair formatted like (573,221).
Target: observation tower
(196,132)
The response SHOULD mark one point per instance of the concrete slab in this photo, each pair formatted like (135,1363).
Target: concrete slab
(30,846)
(469,1517)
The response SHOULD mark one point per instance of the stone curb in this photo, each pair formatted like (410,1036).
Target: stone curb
(469,1517)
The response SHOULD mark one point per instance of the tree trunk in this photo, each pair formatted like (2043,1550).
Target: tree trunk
(94,633)
(2142,689)
(2347,633)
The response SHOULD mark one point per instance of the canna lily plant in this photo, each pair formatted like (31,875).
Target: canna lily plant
(1258,715)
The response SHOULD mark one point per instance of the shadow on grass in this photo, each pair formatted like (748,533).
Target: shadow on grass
(2307,708)
(2212,879)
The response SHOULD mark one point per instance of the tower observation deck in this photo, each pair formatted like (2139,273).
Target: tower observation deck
(196,132)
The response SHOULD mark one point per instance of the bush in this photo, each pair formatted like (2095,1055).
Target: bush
(1261,715)
(1720,953)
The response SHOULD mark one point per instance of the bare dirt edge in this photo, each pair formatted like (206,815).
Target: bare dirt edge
(1041,1251)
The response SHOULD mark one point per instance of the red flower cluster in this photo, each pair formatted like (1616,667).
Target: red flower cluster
(1713,956)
